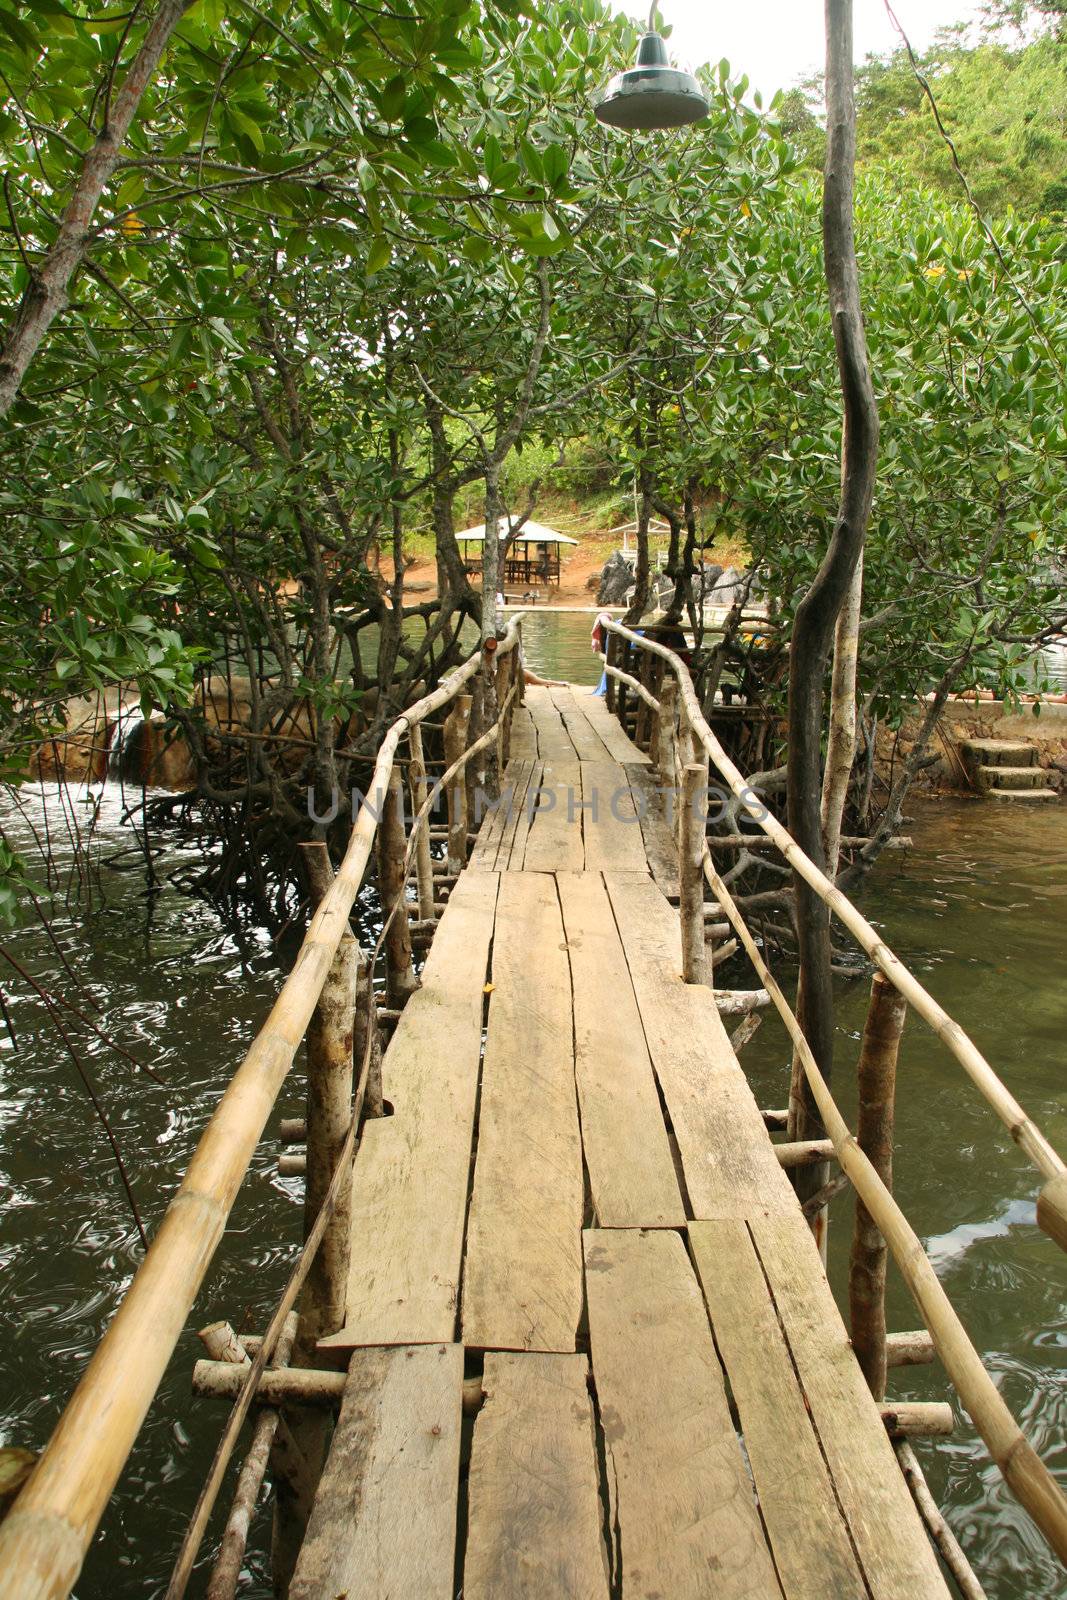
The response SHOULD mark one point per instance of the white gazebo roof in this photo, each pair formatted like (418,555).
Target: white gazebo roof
(532,532)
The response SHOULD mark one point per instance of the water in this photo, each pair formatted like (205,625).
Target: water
(976,909)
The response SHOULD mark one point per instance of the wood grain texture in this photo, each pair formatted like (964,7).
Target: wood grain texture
(384,1522)
(497,828)
(553,741)
(535,1522)
(808,1534)
(522,1282)
(554,842)
(410,1178)
(618,743)
(657,830)
(631,1171)
(682,1501)
(523,735)
(512,847)
(588,745)
(726,1153)
(611,831)
(893,1549)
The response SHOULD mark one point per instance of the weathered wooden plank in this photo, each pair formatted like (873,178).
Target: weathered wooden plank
(610,828)
(808,1534)
(512,847)
(618,743)
(726,1154)
(523,735)
(535,1515)
(553,743)
(588,745)
(896,1556)
(499,822)
(683,1504)
(384,1521)
(661,847)
(554,841)
(410,1179)
(627,1153)
(522,1280)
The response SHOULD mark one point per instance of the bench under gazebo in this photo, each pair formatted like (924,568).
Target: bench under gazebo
(533,557)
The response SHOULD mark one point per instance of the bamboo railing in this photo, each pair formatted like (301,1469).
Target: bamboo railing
(1023,1470)
(44,1538)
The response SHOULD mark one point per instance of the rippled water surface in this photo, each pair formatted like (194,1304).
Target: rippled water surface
(977,907)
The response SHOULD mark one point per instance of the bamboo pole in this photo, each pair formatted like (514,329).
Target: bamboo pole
(419,791)
(44,1538)
(400,978)
(665,734)
(918,1419)
(877,1073)
(949,1546)
(804,1152)
(1023,1470)
(299,1386)
(366,1020)
(226,1572)
(455,737)
(1023,1130)
(914,1349)
(694,810)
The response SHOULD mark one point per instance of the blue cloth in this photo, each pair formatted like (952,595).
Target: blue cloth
(602,687)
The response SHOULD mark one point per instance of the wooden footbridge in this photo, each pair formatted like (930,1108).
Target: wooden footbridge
(561,1297)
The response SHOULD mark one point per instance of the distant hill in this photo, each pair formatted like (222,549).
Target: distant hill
(1003,100)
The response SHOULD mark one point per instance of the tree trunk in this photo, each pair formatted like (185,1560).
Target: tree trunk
(816,616)
(841,745)
(45,295)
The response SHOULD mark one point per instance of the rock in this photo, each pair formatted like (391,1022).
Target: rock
(593,580)
(616,576)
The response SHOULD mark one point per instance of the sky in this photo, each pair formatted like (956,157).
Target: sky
(778,42)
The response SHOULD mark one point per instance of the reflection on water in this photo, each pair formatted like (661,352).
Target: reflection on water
(976,909)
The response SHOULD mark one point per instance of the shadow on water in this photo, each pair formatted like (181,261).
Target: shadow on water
(976,909)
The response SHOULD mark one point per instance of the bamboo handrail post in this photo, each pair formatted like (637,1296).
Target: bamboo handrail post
(876,1073)
(473,772)
(366,1020)
(455,737)
(643,727)
(665,735)
(296,1471)
(694,810)
(401,981)
(419,792)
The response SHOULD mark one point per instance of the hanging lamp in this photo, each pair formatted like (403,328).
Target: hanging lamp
(652,94)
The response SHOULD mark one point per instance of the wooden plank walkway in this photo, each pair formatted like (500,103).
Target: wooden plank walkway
(575,1212)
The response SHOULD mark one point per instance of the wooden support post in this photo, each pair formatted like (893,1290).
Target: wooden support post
(366,1019)
(420,790)
(505,675)
(939,1530)
(226,1573)
(401,981)
(299,1452)
(474,771)
(874,1133)
(666,733)
(455,736)
(694,810)
(645,675)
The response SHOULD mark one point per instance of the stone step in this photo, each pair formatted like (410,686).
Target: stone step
(1024,796)
(1013,777)
(1000,752)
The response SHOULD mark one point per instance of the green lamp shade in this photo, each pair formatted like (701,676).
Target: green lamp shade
(653,94)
